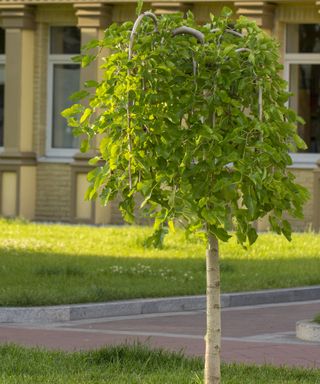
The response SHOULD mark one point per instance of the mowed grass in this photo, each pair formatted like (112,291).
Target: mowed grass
(130,365)
(56,264)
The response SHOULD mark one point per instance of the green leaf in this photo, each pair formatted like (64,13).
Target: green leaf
(87,60)
(86,114)
(77,96)
(92,44)
(145,201)
(219,110)
(157,238)
(145,186)
(91,84)
(94,160)
(299,142)
(75,109)
(171,226)
(107,195)
(114,155)
(85,146)
(274,224)
(226,12)
(221,233)
(208,215)
(90,193)
(126,207)
(286,229)
(77,59)
(252,235)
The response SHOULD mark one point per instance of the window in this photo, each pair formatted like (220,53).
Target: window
(63,80)
(2,74)
(302,68)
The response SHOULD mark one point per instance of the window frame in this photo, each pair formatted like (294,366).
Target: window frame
(54,59)
(300,160)
(3,62)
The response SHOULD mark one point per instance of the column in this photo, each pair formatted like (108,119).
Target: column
(93,19)
(316,192)
(18,161)
(316,198)
(262,12)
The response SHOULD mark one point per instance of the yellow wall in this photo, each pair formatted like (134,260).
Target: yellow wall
(9,194)
(53,201)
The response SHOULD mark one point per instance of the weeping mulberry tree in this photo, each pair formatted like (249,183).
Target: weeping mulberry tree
(193,119)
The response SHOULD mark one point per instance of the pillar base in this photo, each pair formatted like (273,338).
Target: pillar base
(84,211)
(17,184)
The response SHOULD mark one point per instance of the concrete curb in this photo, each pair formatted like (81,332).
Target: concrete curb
(308,330)
(60,313)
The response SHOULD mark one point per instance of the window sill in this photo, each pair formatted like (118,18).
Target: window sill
(304,160)
(56,159)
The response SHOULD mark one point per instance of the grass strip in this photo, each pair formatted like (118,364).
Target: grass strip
(130,365)
(42,264)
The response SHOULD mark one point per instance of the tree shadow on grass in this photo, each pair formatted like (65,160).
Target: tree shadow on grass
(29,278)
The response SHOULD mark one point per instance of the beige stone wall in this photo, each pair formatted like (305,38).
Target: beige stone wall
(202,11)
(53,187)
(115,214)
(304,177)
(121,13)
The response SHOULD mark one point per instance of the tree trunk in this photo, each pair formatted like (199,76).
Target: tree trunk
(213,337)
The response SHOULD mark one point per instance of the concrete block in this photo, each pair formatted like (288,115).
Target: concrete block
(159,305)
(98,310)
(34,314)
(308,330)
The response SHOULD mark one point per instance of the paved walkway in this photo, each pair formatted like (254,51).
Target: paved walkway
(255,334)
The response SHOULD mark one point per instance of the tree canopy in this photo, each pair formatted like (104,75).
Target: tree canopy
(200,130)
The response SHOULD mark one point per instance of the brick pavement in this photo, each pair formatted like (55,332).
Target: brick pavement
(257,334)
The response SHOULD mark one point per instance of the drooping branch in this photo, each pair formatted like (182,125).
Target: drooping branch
(243,50)
(260,103)
(233,32)
(135,28)
(195,33)
(260,95)
(130,53)
(189,31)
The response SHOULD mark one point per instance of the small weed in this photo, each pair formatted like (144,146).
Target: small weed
(143,270)
(317,318)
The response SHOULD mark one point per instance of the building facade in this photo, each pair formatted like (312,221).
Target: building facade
(42,173)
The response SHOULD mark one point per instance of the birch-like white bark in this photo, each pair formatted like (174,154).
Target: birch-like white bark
(212,373)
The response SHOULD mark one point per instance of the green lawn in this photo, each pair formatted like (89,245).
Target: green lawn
(55,264)
(130,365)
